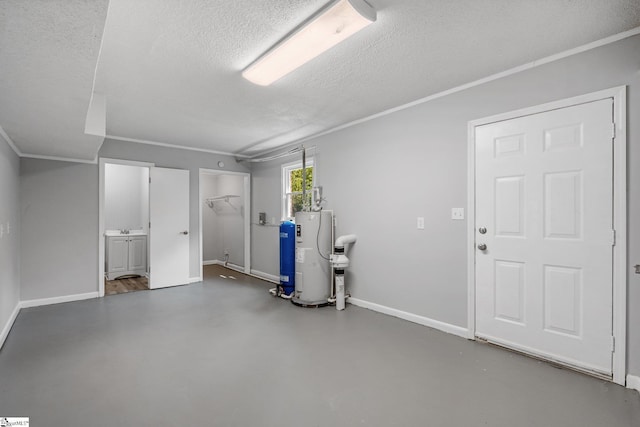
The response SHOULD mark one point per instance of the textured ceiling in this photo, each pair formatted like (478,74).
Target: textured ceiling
(48,55)
(171,70)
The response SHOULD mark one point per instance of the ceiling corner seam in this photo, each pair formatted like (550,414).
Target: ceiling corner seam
(10,143)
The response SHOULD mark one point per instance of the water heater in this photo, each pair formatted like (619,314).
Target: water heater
(314,233)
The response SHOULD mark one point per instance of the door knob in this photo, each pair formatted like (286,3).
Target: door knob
(185,232)
(482,230)
(482,247)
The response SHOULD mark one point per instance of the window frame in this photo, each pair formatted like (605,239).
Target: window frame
(285,187)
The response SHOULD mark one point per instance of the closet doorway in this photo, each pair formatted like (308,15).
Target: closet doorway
(225,219)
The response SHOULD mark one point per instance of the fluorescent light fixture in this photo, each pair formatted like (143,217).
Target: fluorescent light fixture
(324,30)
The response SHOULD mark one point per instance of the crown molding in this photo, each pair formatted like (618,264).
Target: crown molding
(528,66)
(179,147)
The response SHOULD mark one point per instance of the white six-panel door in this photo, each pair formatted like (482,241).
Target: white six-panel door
(169,231)
(544,187)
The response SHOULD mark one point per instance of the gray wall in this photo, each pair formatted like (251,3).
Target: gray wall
(179,159)
(380,175)
(211,246)
(59,230)
(126,197)
(59,211)
(231,218)
(266,183)
(9,243)
(223,224)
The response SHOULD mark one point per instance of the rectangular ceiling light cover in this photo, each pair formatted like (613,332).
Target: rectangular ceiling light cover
(324,30)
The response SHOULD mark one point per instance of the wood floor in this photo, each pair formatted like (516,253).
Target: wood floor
(125,285)
(133,284)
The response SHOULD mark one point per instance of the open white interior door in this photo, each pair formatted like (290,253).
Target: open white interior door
(169,228)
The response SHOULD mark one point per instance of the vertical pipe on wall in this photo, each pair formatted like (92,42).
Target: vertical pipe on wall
(304,178)
(332,292)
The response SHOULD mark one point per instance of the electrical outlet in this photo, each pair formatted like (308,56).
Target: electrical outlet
(637,267)
(457,213)
(420,223)
(226,251)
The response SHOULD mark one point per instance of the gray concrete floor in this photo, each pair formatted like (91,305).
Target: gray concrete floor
(226,353)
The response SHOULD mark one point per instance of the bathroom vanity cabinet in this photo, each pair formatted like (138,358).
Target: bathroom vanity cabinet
(125,255)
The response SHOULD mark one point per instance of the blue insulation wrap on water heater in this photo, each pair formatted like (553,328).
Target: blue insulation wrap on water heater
(288,256)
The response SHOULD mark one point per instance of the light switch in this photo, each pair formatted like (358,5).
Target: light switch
(1,230)
(8,228)
(457,213)
(420,223)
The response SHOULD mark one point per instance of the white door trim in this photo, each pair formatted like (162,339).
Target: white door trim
(619,213)
(103,161)
(247,214)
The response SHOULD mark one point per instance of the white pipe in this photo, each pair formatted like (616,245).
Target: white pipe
(340,299)
(275,156)
(304,179)
(274,292)
(340,262)
(345,240)
(332,290)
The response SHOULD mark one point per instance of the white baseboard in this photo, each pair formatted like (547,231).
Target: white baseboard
(421,320)
(234,267)
(633,382)
(240,269)
(7,328)
(195,279)
(58,300)
(38,302)
(266,276)
(231,266)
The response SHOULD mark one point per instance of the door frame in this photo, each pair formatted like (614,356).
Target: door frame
(101,240)
(247,214)
(618,94)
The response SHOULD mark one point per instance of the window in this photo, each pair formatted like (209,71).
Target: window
(292,201)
